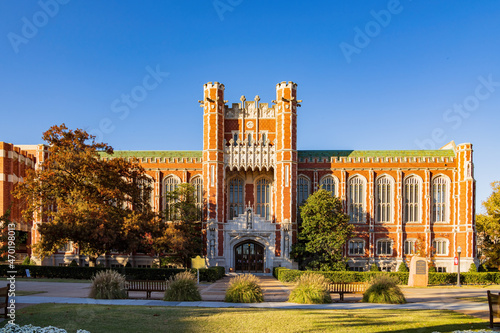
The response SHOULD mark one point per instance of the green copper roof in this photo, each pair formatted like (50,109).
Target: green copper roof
(157,153)
(376,153)
(302,153)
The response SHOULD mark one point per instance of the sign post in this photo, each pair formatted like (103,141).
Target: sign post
(198,262)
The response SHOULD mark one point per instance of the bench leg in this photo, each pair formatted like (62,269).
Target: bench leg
(341,297)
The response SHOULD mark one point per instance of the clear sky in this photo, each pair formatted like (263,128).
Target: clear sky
(374,75)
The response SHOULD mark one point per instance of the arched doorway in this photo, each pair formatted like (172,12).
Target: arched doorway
(249,257)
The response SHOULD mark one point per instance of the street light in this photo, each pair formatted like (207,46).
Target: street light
(459,250)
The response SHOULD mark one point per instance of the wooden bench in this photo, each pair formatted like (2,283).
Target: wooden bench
(4,299)
(342,288)
(494,305)
(146,285)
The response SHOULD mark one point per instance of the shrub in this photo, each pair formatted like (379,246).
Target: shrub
(473,268)
(374,268)
(73,263)
(182,288)
(86,273)
(403,268)
(432,268)
(311,289)
(108,285)
(244,289)
(482,268)
(384,289)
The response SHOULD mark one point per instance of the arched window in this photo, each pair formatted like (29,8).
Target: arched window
(147,190)
(197,182)
(170,185)
(236,199)
(356,247)
(439,199)
(383,197)
(440,246)
(264,138)
(328,183)
(303,191)
(410,246)
(263,198)
(384,247)
(411,193)
(357,199)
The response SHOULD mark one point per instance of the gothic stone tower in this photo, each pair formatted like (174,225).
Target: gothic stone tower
(249,169)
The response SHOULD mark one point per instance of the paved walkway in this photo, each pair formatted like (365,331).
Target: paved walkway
(275,296)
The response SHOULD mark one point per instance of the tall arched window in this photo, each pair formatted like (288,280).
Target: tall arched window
(198,195)
(170,185)
(303,191)
(411,193)
(263,198)
(439,199)
(328,183)
(383,197)
(146,185)
(236,199)
(357,199)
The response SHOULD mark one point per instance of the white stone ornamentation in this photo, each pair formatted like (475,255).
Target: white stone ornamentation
(249,156)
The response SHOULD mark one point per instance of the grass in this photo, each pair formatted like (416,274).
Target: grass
(474,299)
(52,280)
(28,292)
(123,319)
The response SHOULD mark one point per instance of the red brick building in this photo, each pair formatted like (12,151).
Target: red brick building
(250,180)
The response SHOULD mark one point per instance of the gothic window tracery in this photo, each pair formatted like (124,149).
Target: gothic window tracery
(236,197)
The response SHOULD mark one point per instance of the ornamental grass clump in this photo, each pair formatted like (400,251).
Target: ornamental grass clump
(108,285)
(244,289)
(384,289)
(311,289)
(182,288)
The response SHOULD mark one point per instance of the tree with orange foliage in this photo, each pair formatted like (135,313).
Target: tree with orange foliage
(99,204)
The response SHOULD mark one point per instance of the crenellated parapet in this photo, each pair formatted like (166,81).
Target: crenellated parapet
(247,155)
(250,109)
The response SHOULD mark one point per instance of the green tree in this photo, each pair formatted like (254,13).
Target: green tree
(4,222)
(488,228)
(324,231)
(101,204)
(181,235)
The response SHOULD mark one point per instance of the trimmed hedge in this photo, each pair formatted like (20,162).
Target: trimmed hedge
(291,275)
(86,273)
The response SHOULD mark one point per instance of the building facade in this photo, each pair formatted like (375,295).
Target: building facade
(251,179)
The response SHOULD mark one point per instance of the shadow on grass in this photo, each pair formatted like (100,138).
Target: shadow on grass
(109,319)
(412,321)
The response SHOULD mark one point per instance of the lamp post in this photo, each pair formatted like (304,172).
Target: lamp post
(459,250)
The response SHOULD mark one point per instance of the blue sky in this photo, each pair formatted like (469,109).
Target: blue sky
(372,75)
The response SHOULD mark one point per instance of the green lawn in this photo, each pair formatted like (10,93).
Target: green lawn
(28,292)
(51,280)
(109,319)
